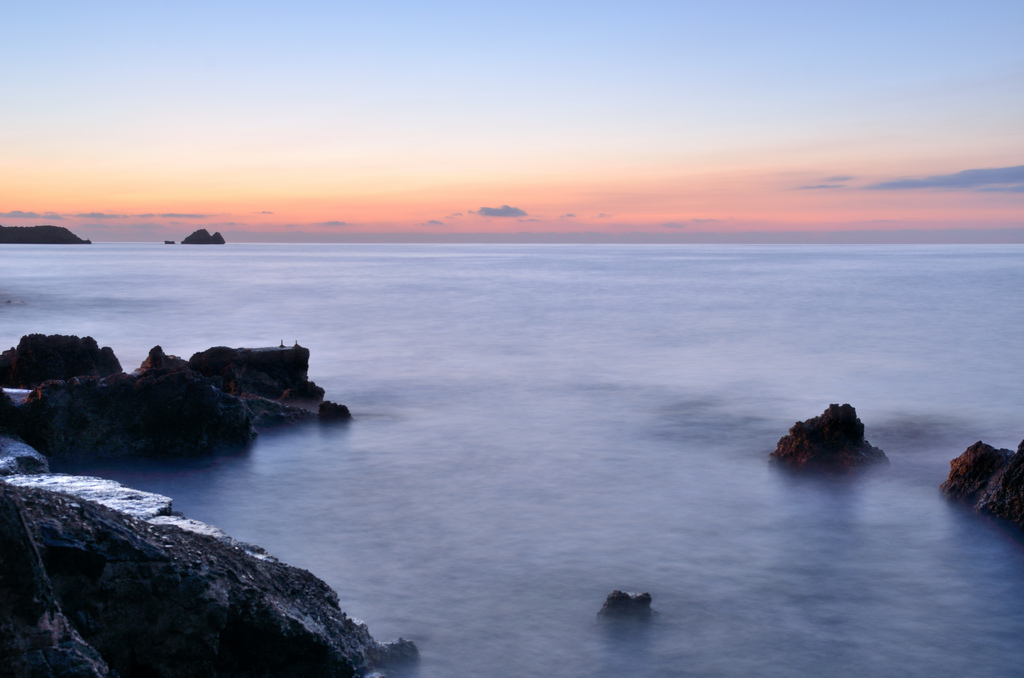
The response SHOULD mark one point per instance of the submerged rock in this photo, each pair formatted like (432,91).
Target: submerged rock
(16,457)
(833,440)
(329,411)
(989,479)
(40,357)
(203,237)
(156,600)
(274,373)
(622,605)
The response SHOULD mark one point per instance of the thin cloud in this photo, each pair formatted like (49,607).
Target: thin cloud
(818,186)
(435,222)
(174,215)
(332,224)
(263,212)
(841,177)
(503,211)
(998,179)
(687,224)
(568,215)
(18,214)
(453,216)
(99,215)
(602,215)
(529,220)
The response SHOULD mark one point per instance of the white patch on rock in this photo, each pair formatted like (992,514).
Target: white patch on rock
(18,395)
(198,527)
(113,495)
(17,457)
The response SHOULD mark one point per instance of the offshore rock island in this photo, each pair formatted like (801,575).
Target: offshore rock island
(201,237)
(97,579)
(39,235)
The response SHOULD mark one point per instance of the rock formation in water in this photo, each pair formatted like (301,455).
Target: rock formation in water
(166,408)
(833,440)
(162,413)
(622,605)
(990,480)
(39,235)
(89,591)
(329,411)
(41,357)
(203,237)
(274,373)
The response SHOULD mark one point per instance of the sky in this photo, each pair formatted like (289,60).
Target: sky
(323,121)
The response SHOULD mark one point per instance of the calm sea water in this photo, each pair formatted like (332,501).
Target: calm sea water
(538,425)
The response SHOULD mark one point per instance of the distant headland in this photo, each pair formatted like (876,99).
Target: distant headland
(203,237)
(39,235)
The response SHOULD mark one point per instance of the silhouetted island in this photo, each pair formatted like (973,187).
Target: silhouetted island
(203,237)
(39,235)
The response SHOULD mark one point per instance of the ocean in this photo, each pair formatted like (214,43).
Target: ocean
(537,425)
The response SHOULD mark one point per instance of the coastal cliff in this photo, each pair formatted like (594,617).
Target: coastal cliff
(39,235)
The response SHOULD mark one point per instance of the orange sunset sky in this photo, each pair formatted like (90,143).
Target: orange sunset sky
(329,121)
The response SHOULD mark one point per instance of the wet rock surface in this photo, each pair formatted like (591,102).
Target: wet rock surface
(16,458)
(274,373)
(989,479)
(834,440)
(40,357)
(156,600)
(623,605)
(109,493)
(203,237)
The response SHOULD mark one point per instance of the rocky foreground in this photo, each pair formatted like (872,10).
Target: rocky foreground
(89,591)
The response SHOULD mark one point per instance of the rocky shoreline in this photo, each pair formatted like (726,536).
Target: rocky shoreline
(97,579)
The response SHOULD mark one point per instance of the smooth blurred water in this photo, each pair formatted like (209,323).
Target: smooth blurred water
(538,425)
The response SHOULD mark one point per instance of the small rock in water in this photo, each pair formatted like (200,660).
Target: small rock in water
(622,605)
(329,411)
(834,440)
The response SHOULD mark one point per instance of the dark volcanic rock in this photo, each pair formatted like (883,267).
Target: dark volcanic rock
(159,413)
(329,411)
(275,373)
(622,605)
(36,639)
(203,237)
(41,357)
(39,235)
(157,359)
(158,601)
(833,440)
(991,480)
